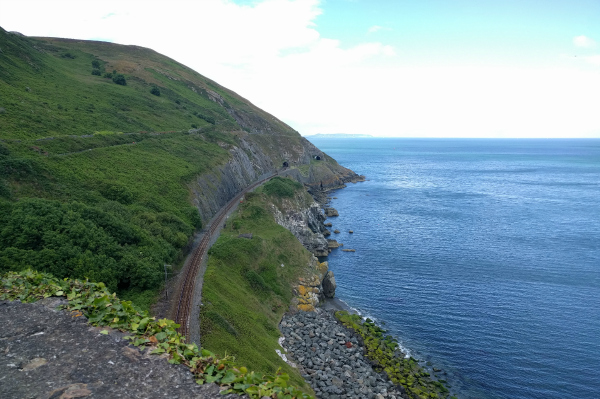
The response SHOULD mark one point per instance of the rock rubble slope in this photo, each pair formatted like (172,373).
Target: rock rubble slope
(331,358)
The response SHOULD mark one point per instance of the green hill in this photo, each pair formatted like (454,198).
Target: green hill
(100,148)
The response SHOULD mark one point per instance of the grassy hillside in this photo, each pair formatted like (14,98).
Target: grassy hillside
(47,89)
(94,175)
(246,290)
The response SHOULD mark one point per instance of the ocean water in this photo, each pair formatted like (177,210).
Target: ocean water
(481,256)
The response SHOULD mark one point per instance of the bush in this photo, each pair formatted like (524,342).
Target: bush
(117,192)
(4,189)
(282,187)
(119,79)
(96,64)
(108,75)
(155,90)
(96,72)
(208,119)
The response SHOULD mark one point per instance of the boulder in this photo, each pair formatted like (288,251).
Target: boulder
(349,250)
(248,236)
(331,212)
(332,244)
(329,224)
(329,285)
(326,233)
(351,231)
(336,231)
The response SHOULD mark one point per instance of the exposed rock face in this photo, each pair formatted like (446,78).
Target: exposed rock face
(213,190)
(310,290)
(333,244)
(260,155)
(305,223)
(329,285)
(329,212)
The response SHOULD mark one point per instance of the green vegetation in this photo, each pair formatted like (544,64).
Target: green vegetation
(155,90)
(282,187)
(97,180)
(101,308)
(110,207)
(246,290)
(384,352)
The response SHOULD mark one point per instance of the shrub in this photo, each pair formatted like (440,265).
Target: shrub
(96,72)
(108,75)
(155,90)
(282,187)
(4,189)
(119,79)
(208,119)
(96,64)
(117,192)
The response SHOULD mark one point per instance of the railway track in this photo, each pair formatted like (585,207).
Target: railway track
(186,294)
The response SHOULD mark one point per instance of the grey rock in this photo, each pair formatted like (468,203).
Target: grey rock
(57,355)
(329,285)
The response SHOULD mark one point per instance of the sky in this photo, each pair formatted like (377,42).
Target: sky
(406,68)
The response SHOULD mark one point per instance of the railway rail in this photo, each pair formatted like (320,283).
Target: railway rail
(186,294)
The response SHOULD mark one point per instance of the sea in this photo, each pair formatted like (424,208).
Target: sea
(482,256)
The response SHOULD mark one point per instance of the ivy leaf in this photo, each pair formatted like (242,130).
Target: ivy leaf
(104,332)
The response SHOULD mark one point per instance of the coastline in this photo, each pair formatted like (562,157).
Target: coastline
(432,378)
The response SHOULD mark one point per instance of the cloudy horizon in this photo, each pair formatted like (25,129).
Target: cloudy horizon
(406,69)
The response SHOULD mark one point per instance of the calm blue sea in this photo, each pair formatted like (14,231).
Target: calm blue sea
(481,256)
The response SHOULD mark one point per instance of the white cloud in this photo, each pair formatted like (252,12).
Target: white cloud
(584,41)
(272,53)
(593,59)
(377,28)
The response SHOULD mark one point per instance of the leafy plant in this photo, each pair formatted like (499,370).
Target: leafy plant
(101,308)
(155,90)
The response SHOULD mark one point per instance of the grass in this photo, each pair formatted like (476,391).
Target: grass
(246,290)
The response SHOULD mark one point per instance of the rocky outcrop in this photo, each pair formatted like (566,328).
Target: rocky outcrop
(329,212)
(247,164)
(329,285)
(305,221)
(318,284)
(332,244)
(256,156)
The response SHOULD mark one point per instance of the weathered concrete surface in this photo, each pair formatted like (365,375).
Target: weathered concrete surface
(47,353)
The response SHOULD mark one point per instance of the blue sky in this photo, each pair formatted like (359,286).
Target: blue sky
(387,68)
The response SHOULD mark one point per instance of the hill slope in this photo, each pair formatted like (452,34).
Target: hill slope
(109,181)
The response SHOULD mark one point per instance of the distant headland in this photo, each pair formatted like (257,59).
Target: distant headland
(338,136)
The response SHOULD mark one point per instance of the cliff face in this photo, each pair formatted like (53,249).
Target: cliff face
(303,217)
(255,156)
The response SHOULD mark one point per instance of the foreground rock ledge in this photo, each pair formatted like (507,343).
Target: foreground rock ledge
(45,353)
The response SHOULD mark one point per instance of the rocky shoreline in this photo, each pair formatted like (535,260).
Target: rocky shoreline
(331,358)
